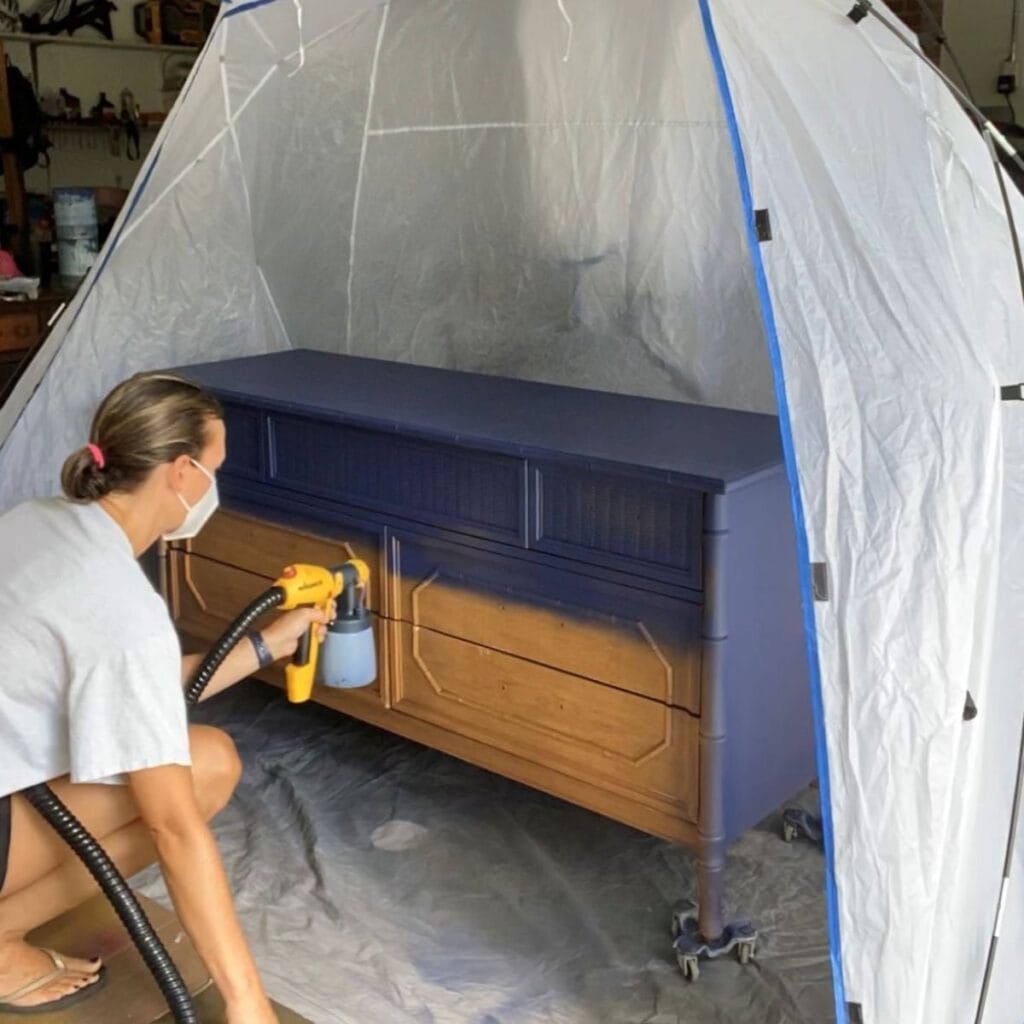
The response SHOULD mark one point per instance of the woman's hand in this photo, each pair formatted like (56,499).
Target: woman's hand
(282,636)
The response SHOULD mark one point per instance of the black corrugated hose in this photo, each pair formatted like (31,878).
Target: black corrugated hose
(122,899)
(222,648)
(103,869)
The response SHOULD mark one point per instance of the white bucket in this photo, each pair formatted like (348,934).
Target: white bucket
(74,214)
(75,257)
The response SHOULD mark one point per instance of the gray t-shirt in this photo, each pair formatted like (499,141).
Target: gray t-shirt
(90,664)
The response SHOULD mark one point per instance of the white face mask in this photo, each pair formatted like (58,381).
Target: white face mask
(196,515)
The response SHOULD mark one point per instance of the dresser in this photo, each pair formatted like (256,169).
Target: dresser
(593,594)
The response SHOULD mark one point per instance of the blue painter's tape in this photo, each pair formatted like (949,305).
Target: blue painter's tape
(248,5)
(785,423)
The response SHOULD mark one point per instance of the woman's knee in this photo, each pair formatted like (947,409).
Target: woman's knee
(216,767)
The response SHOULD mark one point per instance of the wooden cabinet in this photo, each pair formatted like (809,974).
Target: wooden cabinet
(593,594)
(23,327)
(18,331)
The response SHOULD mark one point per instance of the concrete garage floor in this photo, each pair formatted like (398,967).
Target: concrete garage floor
(385,883)
(129,995)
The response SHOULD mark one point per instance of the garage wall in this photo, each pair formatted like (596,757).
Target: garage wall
(86,158)
(979,32)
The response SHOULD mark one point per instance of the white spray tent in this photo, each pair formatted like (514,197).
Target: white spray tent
(568,190)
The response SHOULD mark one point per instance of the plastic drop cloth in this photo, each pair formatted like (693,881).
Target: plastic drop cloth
(381,882)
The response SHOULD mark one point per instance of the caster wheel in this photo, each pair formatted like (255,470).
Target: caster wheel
(745,952)
(690,966)
(681,917)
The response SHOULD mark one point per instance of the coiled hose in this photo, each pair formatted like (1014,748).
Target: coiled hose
(103,869)
(222,648)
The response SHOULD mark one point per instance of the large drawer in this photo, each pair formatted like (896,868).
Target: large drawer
(205,596)
(638,641)
(469,491)
(634,526)
(265,548)
(629,744)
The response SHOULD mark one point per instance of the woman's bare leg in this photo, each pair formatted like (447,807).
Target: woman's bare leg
(45,879)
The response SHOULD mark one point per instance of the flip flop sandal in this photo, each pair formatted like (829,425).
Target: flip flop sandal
(60,971)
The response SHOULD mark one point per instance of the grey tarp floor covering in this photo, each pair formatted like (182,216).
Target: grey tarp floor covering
(384,883)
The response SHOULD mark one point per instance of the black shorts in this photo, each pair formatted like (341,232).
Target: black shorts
(5,837)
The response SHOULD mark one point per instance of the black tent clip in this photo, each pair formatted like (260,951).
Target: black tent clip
(970,708)
(861,9)
(1012,393)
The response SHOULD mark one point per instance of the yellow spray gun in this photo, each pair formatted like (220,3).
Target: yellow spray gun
(348,656)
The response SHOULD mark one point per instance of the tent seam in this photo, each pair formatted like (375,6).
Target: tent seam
(246,195)
(359,177)
(488,125)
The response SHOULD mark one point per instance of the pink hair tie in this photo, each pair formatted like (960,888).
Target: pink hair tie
(97,454)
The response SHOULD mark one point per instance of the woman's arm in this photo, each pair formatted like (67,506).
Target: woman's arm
(282,638)
(199,888)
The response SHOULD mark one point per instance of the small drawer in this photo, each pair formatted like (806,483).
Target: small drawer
(615,521)
(472,492)
(18,331)
(630,745)
(206,596)
(642,642)
(264,548)
(245,442)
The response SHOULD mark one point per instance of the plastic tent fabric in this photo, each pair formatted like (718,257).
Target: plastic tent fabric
(565,190)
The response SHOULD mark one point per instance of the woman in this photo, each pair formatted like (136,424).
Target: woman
(91,695)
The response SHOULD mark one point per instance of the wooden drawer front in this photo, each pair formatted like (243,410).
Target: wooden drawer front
(439,484)
(245,440)
(206,596)
(586,730)
(625,524)
(646,643)
(18,331)
(265,549)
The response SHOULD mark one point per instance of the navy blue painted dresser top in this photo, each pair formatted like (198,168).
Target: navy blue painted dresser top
(710,448)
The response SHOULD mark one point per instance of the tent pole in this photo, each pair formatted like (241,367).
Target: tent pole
(942,41)
(1014,237)
(995,140)
(865,8)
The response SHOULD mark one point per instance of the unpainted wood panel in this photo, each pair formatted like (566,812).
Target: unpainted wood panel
(582,728)
(265,548)
(596,795)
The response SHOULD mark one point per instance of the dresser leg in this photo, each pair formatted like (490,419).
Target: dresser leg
(715,636)
(710,885)
(701,933)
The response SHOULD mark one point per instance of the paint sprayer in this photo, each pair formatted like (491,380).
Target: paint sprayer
(346,659)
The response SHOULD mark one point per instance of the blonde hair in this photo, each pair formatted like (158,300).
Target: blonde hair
(147,420)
